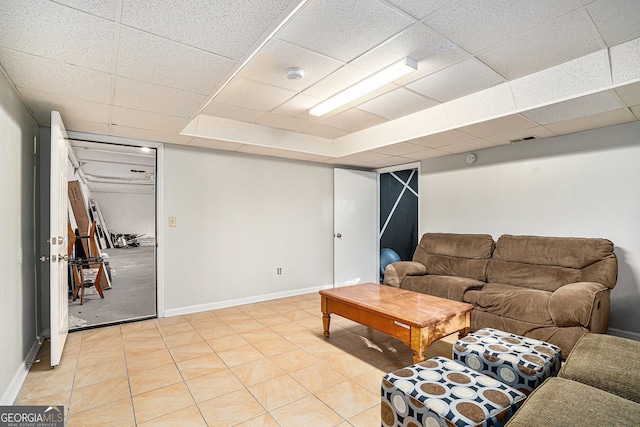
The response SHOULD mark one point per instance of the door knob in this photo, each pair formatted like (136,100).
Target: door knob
(44,258)
(338,235)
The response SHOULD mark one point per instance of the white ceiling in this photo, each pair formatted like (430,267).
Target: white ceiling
(212,73)
(113,168)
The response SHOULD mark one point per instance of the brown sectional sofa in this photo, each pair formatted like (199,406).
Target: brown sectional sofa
(554,289)
(598,385)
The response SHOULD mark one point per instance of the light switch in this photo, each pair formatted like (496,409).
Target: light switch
(172,221)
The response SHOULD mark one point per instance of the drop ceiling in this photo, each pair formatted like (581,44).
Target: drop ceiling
(212,73)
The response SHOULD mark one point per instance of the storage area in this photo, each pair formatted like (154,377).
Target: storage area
(112,249)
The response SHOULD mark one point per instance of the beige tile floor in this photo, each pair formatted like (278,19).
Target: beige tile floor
(264,364)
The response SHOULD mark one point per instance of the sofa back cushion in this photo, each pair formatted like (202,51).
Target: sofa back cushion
(461,255)
(547,263)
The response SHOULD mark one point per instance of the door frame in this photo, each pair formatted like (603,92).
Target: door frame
(159,146)
(413,165)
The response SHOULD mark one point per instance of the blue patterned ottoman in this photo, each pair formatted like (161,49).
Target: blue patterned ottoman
(442,392)
(523,363)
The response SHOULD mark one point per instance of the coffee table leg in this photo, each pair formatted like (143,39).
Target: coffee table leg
(326,317)
(420,340)
(467,326)
(326,320)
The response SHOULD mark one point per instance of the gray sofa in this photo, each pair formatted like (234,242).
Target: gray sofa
(554,289)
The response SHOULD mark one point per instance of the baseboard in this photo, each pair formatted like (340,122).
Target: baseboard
(10,394)
(241,301)
(624,334)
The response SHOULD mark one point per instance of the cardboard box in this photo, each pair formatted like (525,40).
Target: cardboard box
(81,214)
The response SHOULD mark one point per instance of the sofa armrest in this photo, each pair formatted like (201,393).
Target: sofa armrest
(581,304)
(395,273)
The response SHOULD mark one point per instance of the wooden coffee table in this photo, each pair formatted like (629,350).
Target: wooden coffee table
(414,318)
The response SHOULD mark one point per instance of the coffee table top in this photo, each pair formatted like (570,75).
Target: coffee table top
(412,308)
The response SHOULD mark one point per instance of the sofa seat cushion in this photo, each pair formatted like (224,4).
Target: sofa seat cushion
(606,362)
(449,287)
(559,402)
(513,302)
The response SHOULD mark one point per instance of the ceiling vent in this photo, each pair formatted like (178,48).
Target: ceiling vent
(526,138)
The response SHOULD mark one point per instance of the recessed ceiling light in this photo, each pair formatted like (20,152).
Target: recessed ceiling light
(295,73)
(363,87)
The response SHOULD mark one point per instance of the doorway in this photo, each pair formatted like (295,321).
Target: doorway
(117,184)
(398,216)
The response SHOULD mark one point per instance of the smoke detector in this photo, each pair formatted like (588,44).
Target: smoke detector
(295,73)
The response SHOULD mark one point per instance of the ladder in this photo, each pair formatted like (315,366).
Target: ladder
(104,240)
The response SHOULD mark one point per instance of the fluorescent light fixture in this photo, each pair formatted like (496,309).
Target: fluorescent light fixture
(363,87)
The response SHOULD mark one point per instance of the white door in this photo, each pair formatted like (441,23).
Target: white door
(58,238)
(355,225)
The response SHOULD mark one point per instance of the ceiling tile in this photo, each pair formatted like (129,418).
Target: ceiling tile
(564,39)
(498,126)
(461,79)
(441,139)
(461,147)
(89,126)
(507,137)
(45,75)
(574,108)
(429,153)
(157,99)
(397,103)
(271,63)
(153,59)
(594,121)
(354,120)
(636,111)
(299,125)
(299,106)
(253,95)
(144,134)
(366,156)
(399,149)
(624,59)
(630,94)
(419,9)
(127,117)
(337,81)
(104,9)
(54,31)
(257,149)
(215,144)
(72,108)
(479,24)
(181,139)
(493,102)
(430,50)
(617,20)
(232,112)
(348,27)
(296,155)
(227,28)
(582,75)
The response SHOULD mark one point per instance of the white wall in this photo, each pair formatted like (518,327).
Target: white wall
(583,185)
(128,212)
(17,261)
(239,218)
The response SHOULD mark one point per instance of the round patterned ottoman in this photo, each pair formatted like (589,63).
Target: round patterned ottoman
(442,392)
(522,363)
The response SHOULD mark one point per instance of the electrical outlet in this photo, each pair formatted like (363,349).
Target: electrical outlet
(172,221)
(279,270)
